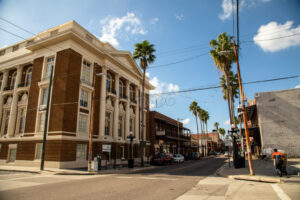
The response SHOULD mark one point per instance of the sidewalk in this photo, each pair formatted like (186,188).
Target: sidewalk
(264,171)
(55,171)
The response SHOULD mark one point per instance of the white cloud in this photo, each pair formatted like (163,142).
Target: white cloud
(179,17)
(297,86)
(227,122)
(152,105)
(173,87)
(113,27)
(228,8)
(154,20)
(265,33)
(186,121)
(148,74)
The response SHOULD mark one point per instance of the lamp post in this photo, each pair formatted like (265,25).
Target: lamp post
(92,119)
(178,142)
(130,160)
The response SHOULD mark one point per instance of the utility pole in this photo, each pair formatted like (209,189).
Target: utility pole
(244,113)
(46,121)
(142,143)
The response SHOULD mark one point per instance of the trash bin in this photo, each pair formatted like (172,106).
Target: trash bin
(130,163)
(99,162)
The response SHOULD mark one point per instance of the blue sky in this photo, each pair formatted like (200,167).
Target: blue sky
(180,30)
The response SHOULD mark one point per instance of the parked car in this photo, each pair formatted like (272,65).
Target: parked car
(157,159)
(178,158)
(195,155)
(167,158)
(212,153)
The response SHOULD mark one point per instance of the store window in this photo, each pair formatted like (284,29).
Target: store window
(82,123)
(38,151)
(81,151)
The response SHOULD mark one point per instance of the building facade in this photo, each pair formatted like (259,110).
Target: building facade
(168,135)
(75,56)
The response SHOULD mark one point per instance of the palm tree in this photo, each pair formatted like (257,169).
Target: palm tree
(216,124)
(234,86)
(205,119)
(144,52)
(193,109)
(223,56)
(222,132)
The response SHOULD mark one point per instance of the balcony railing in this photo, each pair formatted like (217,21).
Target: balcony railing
(7,88)
(111,90)
(123,97)
(133,101)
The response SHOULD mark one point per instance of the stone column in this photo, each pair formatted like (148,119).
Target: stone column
(127,118)
(116,108)
(4,83)
(137,121)
(14,104)
(102,102)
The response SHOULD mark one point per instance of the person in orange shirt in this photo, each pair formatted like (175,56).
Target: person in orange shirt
(278,162)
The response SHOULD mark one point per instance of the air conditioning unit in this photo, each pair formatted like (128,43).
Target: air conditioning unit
(42,107)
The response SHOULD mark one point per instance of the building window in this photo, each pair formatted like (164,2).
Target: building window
(82,123)
(12,154)
(121,89)
(120,126)
(84,98)
(107,123)
(6,120)
(28,77)
(131,126)
(131,93)
(38,151)
(42,122)
(13,80)
(0,147)
(49,66)
(85,75)
(108,83)
(15,48)
(22,120)
(45,96)
(81,151)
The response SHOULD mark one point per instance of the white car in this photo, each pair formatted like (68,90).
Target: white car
(178,158)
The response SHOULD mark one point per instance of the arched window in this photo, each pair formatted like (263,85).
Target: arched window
(13,79)
(28,77)
(108,83)
(131,93)
(121,88)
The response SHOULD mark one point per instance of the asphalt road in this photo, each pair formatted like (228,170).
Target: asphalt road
(165,182)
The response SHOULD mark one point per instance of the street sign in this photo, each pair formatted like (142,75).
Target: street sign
(106,147)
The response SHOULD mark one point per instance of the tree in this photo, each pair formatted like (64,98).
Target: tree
(205,119)
(193,109)
(222,132)
(223,56)
(216,124)
(144,52)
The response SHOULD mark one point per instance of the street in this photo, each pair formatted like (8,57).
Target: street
(191,180)
(168,182)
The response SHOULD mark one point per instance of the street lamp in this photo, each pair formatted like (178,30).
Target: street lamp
(92,119)
(178,143)
(130,160)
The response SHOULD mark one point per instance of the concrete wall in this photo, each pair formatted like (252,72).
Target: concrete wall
(279,120)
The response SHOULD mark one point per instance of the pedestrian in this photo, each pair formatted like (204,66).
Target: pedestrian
(278,162)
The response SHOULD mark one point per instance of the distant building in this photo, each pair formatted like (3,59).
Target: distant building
(274,121)
(168,135)
(213,140)
(75,55)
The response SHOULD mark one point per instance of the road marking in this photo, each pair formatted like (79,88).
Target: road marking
(20,178)
(280,193)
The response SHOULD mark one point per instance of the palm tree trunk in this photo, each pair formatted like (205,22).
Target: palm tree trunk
(229,95)
(197,132)
(206,138)
(142,131)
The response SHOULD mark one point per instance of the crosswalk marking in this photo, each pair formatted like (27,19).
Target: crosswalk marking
(280,193)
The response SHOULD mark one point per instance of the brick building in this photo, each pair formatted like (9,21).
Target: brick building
(213,140)
(75,55)
(167,135)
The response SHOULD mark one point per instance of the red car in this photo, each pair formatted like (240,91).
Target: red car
(161,158)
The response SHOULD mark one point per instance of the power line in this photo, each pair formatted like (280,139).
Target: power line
(180,61)
(218,86)
(272,38)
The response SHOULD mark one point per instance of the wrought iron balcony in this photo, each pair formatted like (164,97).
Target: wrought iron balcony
(7,88)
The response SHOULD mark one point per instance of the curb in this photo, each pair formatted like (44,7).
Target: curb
(252,178)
